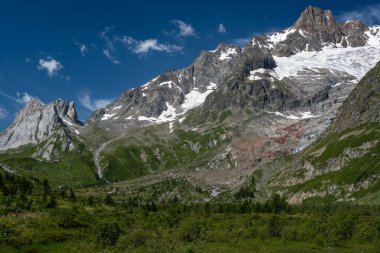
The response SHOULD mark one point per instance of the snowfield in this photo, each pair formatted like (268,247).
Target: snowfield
(194,98)
(356,61)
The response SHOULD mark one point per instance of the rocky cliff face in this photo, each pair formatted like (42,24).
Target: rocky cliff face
(43,124)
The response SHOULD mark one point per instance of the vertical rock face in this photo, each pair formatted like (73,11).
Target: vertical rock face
(37,123)
(320,23)
(353,33)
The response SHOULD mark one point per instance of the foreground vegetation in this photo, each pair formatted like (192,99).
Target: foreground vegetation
(37,218)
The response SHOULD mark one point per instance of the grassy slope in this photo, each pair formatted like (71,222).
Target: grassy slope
(138,155)
(74,169)
(356,170)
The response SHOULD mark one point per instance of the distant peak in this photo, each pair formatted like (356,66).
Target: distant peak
(315,17)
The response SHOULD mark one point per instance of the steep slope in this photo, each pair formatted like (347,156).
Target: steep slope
(362,105)
(344,164)
(50,126)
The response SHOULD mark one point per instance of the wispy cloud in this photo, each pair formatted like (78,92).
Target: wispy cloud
(185,30)
(3,113)
(83,48)
(241,42)
(50,65)
(221,28)
(21,98)
(24,98)
(141,47)
(369,14)
(109,49)
(93,104)
(145,46)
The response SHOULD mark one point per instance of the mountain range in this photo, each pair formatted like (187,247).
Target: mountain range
(297,110)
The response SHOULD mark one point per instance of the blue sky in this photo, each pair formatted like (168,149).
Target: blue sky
(91,51)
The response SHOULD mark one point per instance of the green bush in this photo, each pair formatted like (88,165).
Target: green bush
(366,232)
(107,233)
(70,218)
(192,230)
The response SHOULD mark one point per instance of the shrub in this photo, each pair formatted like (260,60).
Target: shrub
(366,232)
(70,218)
(107,233)
(192,229)
(138,238)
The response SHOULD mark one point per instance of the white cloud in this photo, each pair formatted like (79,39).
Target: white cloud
(24,98)
(369,14)
(51,66)
(184,29)
(221,28)
(241,42)
(93,104)
(152,44)
(113,42)
(109,49)
(82,48)
(3,113)
(21,98)
(143,47)
(109,55)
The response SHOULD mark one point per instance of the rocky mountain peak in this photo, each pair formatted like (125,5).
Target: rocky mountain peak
(66,110)
(354,31)
(314,18)
(315,29)
(320,23)
(32,105)
(37,123)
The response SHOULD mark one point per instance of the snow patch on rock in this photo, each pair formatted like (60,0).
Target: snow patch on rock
(302,115)
(276,37)
(108,116)
(226,55)
(195,98)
